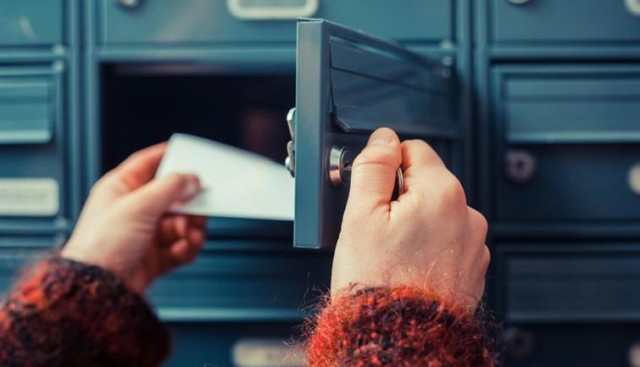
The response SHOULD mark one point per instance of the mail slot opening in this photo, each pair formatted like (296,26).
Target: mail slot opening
(143,104)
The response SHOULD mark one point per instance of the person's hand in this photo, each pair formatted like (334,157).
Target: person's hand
(429,238)
(124,226)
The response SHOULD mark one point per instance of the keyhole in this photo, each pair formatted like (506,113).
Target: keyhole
(520,166)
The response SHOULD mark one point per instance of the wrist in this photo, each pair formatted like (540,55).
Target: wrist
(400,326)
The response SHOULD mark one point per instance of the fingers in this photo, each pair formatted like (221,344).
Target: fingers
(186,249)
(140,167)
(427,178)
(181,239)
(161,194)
(174,227)
(417,153)
(419,164)
(373,174)
(183,252)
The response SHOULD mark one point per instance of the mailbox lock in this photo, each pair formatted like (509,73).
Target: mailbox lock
(519,344)
(633,6)
(340,162)
(520,166)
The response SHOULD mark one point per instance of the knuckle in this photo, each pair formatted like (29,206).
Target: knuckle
(479,221)
(417,147)
(453,192)
(378,155)
(417,144)
(486,257)
(103,183)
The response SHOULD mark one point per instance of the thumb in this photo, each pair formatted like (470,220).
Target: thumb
(159,195)
(373,174)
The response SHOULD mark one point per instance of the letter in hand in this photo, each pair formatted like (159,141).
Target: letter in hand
(125,228)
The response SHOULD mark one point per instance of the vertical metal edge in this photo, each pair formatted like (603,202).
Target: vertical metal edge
(482,69)
(91,131)
(62,112)
(74,108)
(464,66)
(481,106)
(311,85)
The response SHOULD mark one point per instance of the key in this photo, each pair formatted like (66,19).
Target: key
(399,187)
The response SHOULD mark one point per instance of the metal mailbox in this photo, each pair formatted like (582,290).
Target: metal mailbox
(567,143)
(31,22)
(243,280)
(32,135)
(347,85)
(521,21)
(205,21)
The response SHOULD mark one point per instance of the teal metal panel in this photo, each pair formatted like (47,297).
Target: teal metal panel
(256,280)
(563,21)
(579,124)
(33,137)
(27,110)
(568,303)
(203,21)
(31,22)
(573,183)
(575,282)
(347,85)
(213,344)
(584,344)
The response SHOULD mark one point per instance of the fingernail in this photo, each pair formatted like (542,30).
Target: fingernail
(380,137)
(191,187)
(379,141)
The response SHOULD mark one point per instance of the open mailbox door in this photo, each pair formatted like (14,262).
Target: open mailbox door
(347,85)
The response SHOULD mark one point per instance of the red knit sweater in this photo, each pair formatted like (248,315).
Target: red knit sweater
(64,313)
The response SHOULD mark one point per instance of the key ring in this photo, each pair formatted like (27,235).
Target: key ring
(400,181)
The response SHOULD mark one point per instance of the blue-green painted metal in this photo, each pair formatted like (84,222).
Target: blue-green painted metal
(570,282)
(203,22)
(240,280)
(212,344)
(580,123)
(32,22)
(347,85)
(563,21)
(558,79)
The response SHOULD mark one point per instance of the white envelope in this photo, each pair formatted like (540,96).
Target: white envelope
(235,183)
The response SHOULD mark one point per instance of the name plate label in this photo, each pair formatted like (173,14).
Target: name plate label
(29,197)
(267,353)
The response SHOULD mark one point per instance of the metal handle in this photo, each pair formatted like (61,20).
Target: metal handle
(129,4)
(633,6)
(520,166)
(272,10)
(290,161)
(518,2)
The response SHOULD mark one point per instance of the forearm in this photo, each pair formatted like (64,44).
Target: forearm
(65,313)
(397,327)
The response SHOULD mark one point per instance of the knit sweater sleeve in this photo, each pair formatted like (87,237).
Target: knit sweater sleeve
(65,313)
(397,327)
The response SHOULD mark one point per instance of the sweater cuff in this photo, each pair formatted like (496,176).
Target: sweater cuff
(397,327)
(68,313)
